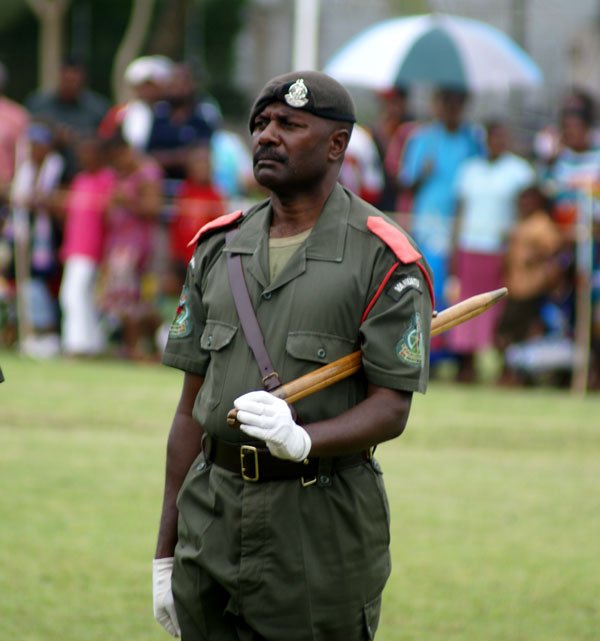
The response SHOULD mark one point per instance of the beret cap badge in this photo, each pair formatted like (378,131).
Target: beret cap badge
(297,95)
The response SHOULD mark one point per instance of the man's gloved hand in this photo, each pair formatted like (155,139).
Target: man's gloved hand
(162,595)
(268,418)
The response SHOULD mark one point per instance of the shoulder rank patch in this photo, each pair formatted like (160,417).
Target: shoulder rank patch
(405,282)
(182,323)
(409,349)
(394,239)
(217,223)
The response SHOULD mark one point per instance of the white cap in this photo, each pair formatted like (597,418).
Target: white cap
(148,69)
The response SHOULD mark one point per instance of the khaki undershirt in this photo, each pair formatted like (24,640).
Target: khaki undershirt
(282,249)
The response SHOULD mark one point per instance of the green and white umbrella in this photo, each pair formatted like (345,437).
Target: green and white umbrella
(437,49)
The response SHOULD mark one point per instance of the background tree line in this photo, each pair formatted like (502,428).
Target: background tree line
(107,34)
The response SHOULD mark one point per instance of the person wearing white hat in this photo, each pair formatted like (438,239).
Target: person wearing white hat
(146,78)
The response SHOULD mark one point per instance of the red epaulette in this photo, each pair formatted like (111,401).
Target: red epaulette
(217,223)
(394,239)
(403,251)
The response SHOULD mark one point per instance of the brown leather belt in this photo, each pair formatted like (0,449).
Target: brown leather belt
(258,464)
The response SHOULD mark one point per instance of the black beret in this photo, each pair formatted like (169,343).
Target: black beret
(310,91)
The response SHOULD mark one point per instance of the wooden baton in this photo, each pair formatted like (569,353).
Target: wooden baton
(350,364)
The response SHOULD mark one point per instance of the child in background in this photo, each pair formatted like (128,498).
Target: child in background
(197,203)
(535,275)
(131,228)
(85,207)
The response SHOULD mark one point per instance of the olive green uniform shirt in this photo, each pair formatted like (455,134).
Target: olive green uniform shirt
(288,560)
(310,314)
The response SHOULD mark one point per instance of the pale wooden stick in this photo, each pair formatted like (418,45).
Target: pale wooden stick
(347,365)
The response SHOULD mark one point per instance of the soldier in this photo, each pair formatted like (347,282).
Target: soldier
(280,529)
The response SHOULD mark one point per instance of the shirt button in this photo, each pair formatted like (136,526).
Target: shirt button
(324,480)
(267,295)
(209,341)
(321,353)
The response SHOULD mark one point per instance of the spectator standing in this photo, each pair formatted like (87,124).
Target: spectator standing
(231,164)
(434,153)
(184,119)
(197,203)
(392,163)
(147,77)
(576,169)
(573,183)
(361,170)
(130,235)
(393,115)
(13,123)
(36,237)
(72,109)
(548,142)
(487,188)
(83,243)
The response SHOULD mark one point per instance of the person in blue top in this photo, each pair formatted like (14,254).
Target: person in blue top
(433,155)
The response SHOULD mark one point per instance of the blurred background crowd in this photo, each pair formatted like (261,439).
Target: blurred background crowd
(99,201)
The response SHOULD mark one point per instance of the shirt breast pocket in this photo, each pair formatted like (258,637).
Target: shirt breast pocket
(216,339)
(306,352)
(317,347)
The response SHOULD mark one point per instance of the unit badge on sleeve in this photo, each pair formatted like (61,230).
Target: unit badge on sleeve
(409,349)
(182,324)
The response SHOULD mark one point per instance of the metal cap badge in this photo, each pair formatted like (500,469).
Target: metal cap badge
(297,95)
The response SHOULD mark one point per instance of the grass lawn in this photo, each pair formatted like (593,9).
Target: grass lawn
(495,499)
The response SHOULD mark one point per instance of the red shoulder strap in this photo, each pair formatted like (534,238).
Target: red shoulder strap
(403,250)
(394,239)
(217,223)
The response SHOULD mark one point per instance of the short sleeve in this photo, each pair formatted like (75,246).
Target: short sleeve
(396,333)
(183,345)
(412,159)
(463,179)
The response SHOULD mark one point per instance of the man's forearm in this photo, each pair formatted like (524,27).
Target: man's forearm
(183,447)
(380,417)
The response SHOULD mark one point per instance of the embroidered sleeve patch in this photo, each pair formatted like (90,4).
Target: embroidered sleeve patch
(409,349)
(397,289)
(182,323)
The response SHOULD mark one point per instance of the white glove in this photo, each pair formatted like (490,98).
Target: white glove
(268,418)
(162,595)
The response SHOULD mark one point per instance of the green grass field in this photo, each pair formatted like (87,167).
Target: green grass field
(495,499)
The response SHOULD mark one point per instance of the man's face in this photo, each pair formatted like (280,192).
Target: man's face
(575,132)
(451,107)
(289,148)
(497,140)
(148,91)
(182,86)
(39,151)
(394,105)
(71,82)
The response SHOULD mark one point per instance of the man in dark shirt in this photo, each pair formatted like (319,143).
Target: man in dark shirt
(181,121)
(71,109)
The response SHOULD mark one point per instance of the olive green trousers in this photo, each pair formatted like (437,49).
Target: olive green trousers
(280,561)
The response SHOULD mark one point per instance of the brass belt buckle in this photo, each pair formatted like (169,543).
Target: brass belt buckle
(243,450)
(304,482)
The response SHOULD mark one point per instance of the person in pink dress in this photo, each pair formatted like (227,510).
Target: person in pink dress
(131,227)
(86,203)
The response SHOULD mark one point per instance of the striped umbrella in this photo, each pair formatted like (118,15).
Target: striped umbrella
(437,49)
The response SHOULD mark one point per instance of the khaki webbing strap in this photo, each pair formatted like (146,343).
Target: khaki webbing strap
(248,320)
